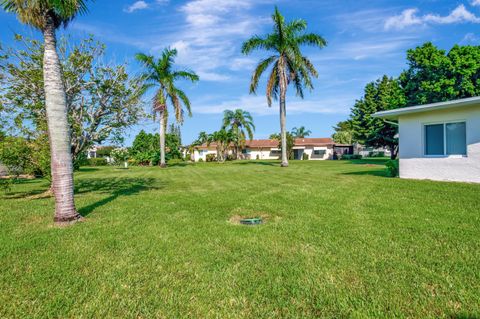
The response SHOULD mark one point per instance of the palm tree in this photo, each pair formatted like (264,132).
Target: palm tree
(289,65)
(159,73)
(300,132)
(47,16)
(238,122)
(222,139)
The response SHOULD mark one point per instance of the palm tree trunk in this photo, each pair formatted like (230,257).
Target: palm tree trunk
(283,112)
(58,130)
(163,128)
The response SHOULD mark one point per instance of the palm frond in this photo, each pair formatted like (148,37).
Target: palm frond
(261,67)
(272,85)
(311,39)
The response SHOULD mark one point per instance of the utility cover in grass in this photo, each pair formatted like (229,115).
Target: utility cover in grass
(251,221)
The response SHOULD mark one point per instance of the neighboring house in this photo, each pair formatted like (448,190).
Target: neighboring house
(439,141)
(315,148)
(371,151)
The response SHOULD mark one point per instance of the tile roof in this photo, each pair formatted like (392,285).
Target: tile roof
(274,143)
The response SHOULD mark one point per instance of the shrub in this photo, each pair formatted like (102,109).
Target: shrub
(305,157)
(120,155)
(392,168)
(230,157)
(376,154)
(351,157)
(211,157)
(200,160)
(97,162)
(257,157)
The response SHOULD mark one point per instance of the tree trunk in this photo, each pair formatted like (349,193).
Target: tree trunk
(58,130)
(163,128)
(283,112)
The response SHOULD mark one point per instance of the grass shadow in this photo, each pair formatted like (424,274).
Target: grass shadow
(179,164)
(30,182)
(88,169)
(255,163)
(115,188)
(378,173)
(371,161)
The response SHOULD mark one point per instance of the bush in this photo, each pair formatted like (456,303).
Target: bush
(351,157)
(97,162)
(305,157)
(392,168)
(376,154)
(200,160)
(230,157)
(211,157)
(257,157)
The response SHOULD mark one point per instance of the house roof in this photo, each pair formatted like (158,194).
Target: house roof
(269,143)
(394,114)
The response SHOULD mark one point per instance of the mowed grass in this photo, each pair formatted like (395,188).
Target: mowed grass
(341,241)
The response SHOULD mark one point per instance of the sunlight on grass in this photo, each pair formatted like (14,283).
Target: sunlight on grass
(340,240)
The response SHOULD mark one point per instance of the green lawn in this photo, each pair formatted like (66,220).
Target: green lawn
(341,241)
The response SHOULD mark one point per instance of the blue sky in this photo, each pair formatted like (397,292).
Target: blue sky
(366,39)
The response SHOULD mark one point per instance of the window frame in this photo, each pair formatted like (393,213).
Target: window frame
(444,124)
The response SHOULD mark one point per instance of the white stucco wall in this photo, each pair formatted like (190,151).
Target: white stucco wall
(328,153)
(202,154)
(414,164)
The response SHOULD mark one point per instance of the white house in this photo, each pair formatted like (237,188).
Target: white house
(314,148)
(439,141)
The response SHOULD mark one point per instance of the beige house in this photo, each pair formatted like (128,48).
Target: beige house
(314,148)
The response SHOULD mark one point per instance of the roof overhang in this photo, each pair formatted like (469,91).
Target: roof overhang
(395,114)
(298,148)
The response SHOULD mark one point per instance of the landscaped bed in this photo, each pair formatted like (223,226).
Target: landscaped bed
(340,240)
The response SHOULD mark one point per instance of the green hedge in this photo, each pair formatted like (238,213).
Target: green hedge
(351,157)
(97,162)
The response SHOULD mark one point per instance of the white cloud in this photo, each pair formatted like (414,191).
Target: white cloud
(137,5)
(210,40)
(409,18)
(406,19)
(470,38)
(257,104)
(475,3)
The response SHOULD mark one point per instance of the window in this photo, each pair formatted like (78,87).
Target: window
(446,139)
(319,152)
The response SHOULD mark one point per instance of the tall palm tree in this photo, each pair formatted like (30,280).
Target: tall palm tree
(160,74)
(300,132)
(47,16)
(239,121)
(289,65)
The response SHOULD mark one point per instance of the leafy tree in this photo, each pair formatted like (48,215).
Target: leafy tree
(343,132)
(290,66)
(120,156)
(300,132)
(290,143)
(240,122)
(145,149)
(383,94)
(104,151)
(435,76)
(47,16)
(160,74)
(102,100)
